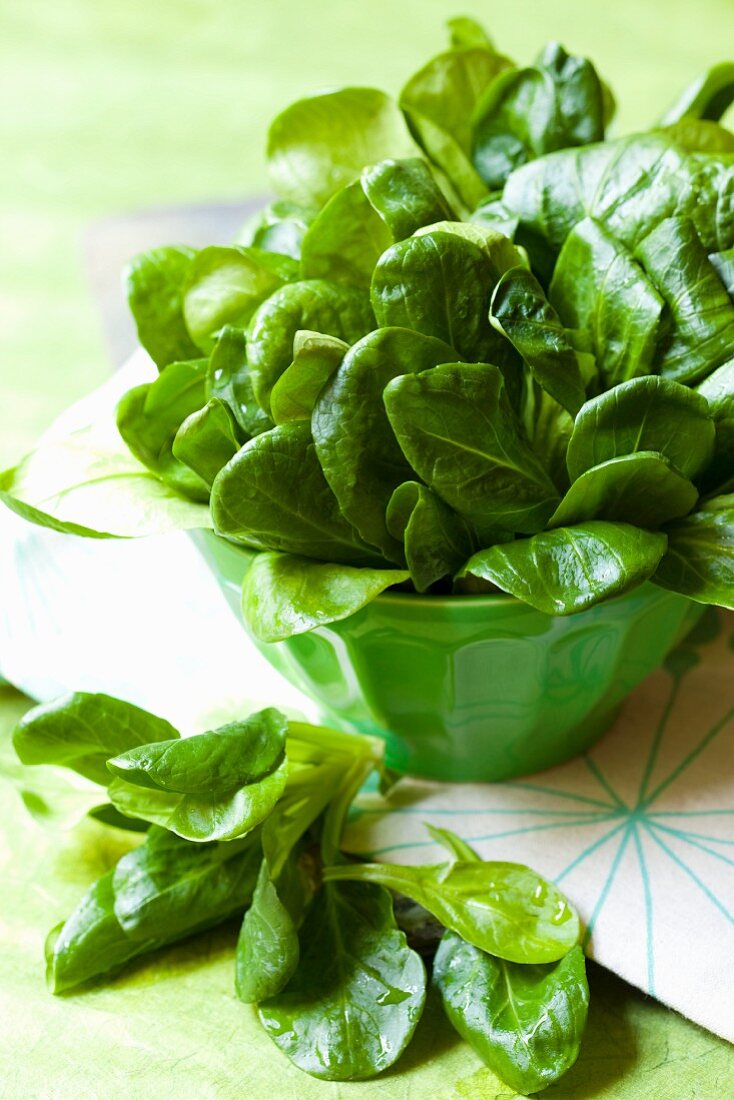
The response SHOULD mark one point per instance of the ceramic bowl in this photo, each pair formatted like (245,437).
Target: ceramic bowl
(476,688)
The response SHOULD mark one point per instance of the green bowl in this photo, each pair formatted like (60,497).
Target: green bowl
(476,688)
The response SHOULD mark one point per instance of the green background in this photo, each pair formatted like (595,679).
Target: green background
(111,106)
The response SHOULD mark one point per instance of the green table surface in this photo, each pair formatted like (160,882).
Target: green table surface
(113,106)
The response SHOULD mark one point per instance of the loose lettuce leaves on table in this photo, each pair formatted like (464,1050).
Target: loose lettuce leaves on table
(525,1022)
(503,908)
(82,731)
(571,568)
(267,948)
(357,993)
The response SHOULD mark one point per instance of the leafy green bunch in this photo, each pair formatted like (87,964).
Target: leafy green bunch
(474,346)
(245,822)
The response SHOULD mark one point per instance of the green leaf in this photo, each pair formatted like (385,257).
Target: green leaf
(226,285)
(354,1001)
(525,1022)
(267,947)
(315,358)
(640,488)
(521,311)
(700,332)
(273,495)
(459,433)
(158,893)
(548,427)
(457,847)
(718,389)
(211,764)
(437,539)
(723,264)
(525,113)
(280,227)
(228,378)
(438,102)
(283,595)
(345,240)
(81,731)
(567,570)
(438,284)
(630,185)
(149,416)
(207,439)
(86,482)
(313,304)
(599,288)
(320,144)
(697,135)
(699,562)
(168,888)
(355,444)
(202,818)
(405,195)
(154,284)
(503,908)
(467,32)
(708,97)
(644,414)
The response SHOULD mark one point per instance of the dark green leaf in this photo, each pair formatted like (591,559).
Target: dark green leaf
(708,97)
(273,496)
(525,1022)
(718,389)
(437,540)
(700,334)
(354,1001)
(567,570)
(168,888)
(200,817)
(149,416)
(599,288)
(700,558)
(207,439)
(405,195)
(354,442)
(284,595)
(280,227)
(213,763)
(267,947)
(154,282)
(521,311)
(459,433)
(723,265)
(226,285)
(504,908)
(644,414)
(438,284)
(346,239)
(81,731)
(314,304)
(640,488)
(315,358)
(525,113)
(228,378)
(320,144)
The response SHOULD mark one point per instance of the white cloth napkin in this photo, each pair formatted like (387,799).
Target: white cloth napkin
(639,831)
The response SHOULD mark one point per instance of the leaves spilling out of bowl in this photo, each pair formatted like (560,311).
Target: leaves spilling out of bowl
(473,346)
(245,821)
